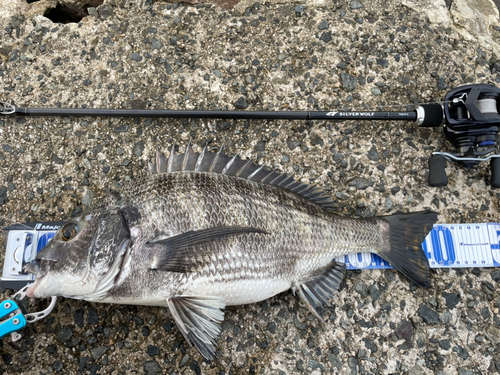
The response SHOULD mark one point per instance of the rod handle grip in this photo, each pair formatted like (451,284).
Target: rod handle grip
(437,174)
(495,172)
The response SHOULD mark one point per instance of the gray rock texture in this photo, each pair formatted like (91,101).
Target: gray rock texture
(278,55)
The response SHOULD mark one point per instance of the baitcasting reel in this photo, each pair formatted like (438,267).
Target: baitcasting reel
(471,121)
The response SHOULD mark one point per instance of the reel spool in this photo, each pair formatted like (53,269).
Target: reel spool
(471,123)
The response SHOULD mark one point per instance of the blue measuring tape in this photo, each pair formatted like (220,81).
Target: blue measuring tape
(446,246)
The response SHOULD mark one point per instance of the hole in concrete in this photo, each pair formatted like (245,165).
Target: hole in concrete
(32,1)
(68,13)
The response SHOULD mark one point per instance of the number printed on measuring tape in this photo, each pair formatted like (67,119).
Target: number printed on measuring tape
(463,245)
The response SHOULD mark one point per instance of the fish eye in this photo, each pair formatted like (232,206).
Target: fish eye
(69,231)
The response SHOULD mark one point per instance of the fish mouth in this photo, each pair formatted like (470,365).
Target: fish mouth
(39,268)
(31,267)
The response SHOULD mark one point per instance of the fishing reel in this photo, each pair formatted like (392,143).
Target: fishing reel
(471,122)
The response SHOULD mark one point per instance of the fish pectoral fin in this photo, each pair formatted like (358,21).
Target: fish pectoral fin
(316,291)
(199,318)
(186,252)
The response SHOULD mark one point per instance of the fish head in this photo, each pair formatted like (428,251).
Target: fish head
(81,256)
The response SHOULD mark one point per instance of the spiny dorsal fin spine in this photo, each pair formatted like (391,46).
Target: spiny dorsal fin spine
(277,180)
(228,165)
(259,175)
(289,180)
(187,154)
(200,158)
(270,173)
(171,159)
(252,175)
(242,169)
(301,188)
(214,162)
(292,186)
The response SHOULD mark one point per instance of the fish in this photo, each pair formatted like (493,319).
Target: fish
(203,230)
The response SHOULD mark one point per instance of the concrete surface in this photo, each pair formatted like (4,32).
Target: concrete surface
(274,56)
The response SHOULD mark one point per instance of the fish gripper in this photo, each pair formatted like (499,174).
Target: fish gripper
(13,317)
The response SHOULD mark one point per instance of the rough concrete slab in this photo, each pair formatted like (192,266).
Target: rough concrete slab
(276,56)
(472,20)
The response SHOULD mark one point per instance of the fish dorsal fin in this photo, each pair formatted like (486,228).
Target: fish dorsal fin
(220,163)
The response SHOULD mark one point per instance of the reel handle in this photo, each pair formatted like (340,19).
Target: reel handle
(437,174)
(495,172)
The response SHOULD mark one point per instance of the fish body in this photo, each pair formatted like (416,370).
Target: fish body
(204,231)
(244,268)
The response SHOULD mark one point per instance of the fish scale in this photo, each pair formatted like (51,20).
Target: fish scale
(203,231)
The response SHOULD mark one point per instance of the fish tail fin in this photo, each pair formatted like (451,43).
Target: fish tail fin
(403,235)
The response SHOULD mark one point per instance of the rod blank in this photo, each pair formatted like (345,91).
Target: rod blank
(244,115)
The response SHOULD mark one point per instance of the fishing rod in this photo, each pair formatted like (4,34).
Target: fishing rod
(425,115)
(469,116)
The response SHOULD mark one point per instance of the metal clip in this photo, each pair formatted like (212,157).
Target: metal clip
(7,109)
(17,320)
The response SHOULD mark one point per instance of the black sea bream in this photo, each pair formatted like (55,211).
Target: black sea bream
(203,231)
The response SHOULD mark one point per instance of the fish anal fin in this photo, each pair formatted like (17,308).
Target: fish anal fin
(199,319)
(316,290)
(187,252)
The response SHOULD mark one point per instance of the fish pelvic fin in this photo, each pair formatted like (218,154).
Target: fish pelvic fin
(317,290)
(403,235)
(199,319)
